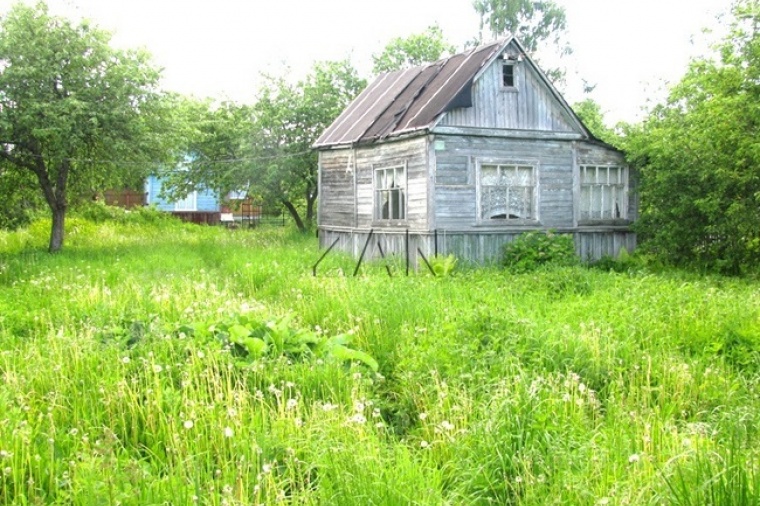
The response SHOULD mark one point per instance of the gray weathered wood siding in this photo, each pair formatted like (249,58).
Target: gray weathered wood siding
(482,248)
(530,105)
(337,203)
(456,186)
(413,154)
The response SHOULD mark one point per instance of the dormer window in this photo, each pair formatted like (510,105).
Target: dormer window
(508,74)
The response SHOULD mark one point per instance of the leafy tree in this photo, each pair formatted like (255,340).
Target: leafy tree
(592,116)
(287,120)
(536,23)
(70,105)
(215,142)
(699,158)
(407,52)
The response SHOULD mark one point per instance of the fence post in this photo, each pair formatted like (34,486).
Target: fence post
(361,257)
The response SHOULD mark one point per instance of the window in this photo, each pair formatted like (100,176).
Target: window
(189,203)
(507,192)
(390,193)
(508,75)
(602,193)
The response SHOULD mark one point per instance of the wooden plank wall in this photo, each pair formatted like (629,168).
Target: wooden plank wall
(483,248)
(455,184)
(336,188)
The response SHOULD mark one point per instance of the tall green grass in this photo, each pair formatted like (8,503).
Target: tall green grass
(561,386)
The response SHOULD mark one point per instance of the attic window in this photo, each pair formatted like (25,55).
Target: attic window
(508,74)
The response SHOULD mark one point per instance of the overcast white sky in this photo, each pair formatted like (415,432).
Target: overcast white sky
(218,48)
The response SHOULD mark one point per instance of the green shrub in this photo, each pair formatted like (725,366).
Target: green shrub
(99,212)
(534,249)
(443,265)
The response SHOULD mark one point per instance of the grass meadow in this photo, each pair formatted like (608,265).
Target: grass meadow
(153,362)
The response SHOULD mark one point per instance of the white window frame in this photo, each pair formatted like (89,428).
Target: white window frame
(513,67)
(611,194)
(189,203)
(483,192)
(398,175)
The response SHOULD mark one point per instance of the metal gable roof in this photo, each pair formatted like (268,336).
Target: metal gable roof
(414,99)
(407,100)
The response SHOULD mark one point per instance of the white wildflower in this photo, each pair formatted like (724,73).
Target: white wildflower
(188,424)
(228,432)
(633,458)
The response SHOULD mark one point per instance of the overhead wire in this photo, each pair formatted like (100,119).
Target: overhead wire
(224,161)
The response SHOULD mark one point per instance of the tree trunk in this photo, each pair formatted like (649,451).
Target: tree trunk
(294,213)
(56,233)
(55,195)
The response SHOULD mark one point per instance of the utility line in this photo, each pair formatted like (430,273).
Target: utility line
(224,161)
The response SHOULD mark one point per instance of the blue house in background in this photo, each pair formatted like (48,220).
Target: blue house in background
(200,206)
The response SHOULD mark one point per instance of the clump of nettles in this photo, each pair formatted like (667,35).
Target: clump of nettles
(532,250)
(443,266)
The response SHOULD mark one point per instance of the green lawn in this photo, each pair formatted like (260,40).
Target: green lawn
(158,363)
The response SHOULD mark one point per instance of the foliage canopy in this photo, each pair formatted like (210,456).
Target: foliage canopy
(699,159)
(286,120)
(411,51)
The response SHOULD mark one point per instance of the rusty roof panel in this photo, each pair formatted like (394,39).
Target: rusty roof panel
(387,122)
(455,75)
(361,114)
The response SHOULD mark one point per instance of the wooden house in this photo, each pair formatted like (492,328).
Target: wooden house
(461,156)
(199,206)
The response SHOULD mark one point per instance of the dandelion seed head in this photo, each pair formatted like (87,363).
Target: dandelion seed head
(188,424)
(228,432)
(633,458)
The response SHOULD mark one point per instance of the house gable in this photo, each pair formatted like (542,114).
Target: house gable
(530,104)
